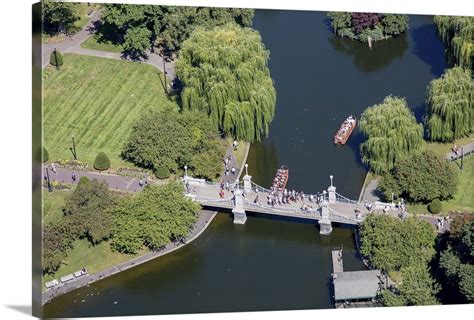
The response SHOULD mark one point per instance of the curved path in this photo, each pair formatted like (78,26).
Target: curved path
(73,43)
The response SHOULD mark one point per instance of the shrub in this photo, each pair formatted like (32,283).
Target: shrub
(162,173)
(435,206)
(53,57)
(45,155)
(102,162)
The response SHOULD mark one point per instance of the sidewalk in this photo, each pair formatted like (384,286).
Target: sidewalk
(73,43)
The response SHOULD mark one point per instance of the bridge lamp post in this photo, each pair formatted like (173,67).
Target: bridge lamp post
(330,177)
(237,184)
(185,172)
(324,195)
(246,169)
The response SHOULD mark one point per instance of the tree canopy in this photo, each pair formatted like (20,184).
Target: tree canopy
(457,35)
(225,75)
(58,16)
(392,132)
(417,288)
(88,210)
(169,139)
(140,25)
(450,108)
(456,263)
(392,244)
(420,177)
(361,25)
(152,218)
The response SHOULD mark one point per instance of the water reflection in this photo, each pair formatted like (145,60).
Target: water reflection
(424,46)
(383,52)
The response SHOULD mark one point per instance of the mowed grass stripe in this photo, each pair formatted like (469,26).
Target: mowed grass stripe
(91,98)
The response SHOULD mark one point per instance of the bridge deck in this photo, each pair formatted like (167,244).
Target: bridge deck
(209,195)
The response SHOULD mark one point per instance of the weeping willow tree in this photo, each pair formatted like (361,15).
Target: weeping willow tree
(450,112)
(392,132)
(457,33)
(225,75)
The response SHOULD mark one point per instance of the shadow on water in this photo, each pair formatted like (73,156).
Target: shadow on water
(424,46)
(383,52)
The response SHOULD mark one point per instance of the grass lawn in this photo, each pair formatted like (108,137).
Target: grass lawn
(94,258)
(97,100)
(96,43)
(53,203)
(463,199)
(442,149)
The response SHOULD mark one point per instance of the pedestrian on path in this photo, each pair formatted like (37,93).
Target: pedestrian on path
(140,183)
(53,167)
(233,170)
(234,144)
(73,176)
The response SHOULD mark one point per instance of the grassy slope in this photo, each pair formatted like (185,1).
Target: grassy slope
(98,100)
(94,258)
(94,44)
(53,203)
(463,199)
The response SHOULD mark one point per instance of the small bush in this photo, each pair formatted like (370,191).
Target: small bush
(102,162)
(45,155)
(162,173)
(435,206)
(53,57)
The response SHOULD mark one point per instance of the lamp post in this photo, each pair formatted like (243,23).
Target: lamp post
(237,183)
(56,58)
(185,171)
(324,195)
(392,197)
(246,169)
(73,149)
(164,72)
(49,181)
(330,177)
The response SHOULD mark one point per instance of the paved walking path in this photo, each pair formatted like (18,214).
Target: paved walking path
(467,149)
(72,44)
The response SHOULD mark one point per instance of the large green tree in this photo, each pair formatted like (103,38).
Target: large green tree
(417,288)
(457,33)
(450,108)
(153,218)
(392,132)
(88,210)
(361,25)
(57,242)
(171,24)
(456,263)
(420,177)
(169,139)
(225,75)
(391,244)
(59,16)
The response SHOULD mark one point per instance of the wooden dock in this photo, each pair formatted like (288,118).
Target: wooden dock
(337,265)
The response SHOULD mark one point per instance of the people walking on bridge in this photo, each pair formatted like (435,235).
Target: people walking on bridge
(221,193)
(233,170)
(227,185)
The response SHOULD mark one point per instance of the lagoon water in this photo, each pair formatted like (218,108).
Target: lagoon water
(273,264)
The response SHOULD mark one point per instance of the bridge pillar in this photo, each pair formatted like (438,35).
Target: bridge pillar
(247,183)
(325,226)
(239,212)
(332,194)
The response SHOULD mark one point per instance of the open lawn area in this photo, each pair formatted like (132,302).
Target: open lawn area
(53,203)
(442,149)
(94,258)
(98,101)
(463,200)
(96,42)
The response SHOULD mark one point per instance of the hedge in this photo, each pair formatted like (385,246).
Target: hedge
(162,173)
(102,162)
(435,206)
(52,58)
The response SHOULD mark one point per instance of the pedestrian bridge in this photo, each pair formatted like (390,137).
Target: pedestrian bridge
(246,196)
